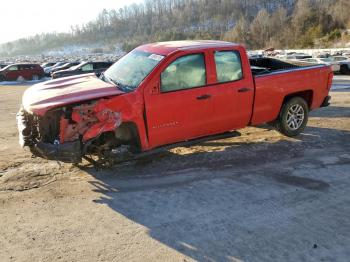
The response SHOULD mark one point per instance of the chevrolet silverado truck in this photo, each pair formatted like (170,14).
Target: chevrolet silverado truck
(166,93)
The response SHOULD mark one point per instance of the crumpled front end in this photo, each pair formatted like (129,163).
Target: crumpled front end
(63,134)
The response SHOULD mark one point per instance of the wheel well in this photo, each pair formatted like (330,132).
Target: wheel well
(307,95)
(125,134)
(128,133)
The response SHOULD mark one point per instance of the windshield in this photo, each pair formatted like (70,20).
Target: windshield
(129,71)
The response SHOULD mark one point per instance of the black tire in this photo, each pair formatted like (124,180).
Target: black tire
(293,117)
(344,70)
(2,78)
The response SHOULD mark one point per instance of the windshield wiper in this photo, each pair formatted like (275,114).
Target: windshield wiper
(119,85)
(122,87)
(107,79)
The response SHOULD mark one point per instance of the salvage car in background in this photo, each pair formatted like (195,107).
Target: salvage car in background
(83,68)
(47,64)
(48,70)
(21,72)
(344,63)
(163,93)
(325,61)
(64,66)
(298,56)
(339,58)
(345,67)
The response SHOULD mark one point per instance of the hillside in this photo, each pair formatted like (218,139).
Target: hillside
(257,23)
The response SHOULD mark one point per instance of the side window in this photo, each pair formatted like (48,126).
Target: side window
(87,67)
(13,68)
(184,73)
(24,67)
(228,66)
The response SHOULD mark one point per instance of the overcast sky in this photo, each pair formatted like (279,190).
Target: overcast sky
(22,18)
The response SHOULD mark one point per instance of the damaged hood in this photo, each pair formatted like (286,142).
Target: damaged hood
(44,96)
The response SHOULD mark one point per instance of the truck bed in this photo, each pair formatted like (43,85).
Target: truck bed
(275,80)
(266,65)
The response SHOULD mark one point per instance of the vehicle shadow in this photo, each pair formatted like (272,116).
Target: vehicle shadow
(191,200)
(331,112)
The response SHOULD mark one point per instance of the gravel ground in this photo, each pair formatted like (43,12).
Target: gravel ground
(257,197)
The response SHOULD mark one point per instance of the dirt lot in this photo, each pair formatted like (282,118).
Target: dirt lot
(257,197)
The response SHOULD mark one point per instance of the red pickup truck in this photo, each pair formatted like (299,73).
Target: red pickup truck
(163,93)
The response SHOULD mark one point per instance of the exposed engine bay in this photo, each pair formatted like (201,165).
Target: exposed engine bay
(73,132)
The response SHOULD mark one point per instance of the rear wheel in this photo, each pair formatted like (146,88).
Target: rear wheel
(344,70)
(2,78)
(293,117)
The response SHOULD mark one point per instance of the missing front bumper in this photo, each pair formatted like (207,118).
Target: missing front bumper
(69,152)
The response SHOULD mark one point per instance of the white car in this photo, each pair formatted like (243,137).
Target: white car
(48,70)
(326,61)
(339,58)
(344,63)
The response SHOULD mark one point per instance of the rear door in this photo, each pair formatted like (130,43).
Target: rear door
(182,108)
(26,71)
(233,94)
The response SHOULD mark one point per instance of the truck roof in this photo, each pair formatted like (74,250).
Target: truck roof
(165,48)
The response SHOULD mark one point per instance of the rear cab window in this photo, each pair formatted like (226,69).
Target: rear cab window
(188,71)
(228,66)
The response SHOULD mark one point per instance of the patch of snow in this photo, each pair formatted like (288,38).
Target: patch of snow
(27,82)
(340,86)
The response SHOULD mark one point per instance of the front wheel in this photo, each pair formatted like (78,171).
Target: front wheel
(293,117)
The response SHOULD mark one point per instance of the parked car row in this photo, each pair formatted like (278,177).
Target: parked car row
(339,63)
(325,61)
(28,71)
(82,68)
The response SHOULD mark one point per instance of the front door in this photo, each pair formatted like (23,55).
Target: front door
(182,108)
(12,73)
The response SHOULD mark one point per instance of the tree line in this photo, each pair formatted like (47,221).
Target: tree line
(256,23)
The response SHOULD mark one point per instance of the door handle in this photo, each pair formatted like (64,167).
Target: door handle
(244,89)
(202,97)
